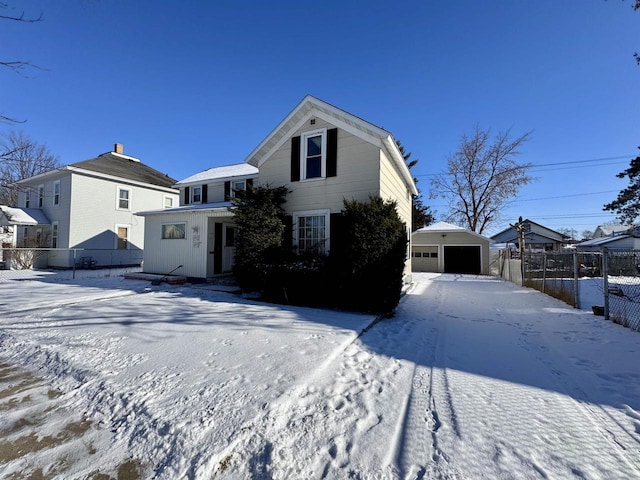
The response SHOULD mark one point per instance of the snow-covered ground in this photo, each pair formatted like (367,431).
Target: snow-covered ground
(473,378)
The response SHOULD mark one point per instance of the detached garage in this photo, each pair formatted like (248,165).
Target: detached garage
(447,248)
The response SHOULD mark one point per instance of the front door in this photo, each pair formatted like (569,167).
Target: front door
(229,251)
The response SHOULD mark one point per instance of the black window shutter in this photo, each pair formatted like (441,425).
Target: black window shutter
(295,159)
(287,241)
(332,152)
(205,189)
(227,190)
(217,248)
(187,194)
(249,182)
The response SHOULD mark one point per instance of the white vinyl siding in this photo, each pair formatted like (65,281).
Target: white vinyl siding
(357,178)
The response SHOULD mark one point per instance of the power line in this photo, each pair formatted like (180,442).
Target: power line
(574,163)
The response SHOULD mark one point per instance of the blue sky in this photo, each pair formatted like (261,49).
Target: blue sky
(195,84)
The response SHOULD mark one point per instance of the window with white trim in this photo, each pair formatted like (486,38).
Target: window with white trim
(196,195)
(40,196)
(238,186)
(56,192)
(54,234)
(168,202)
(311,231)
(27,198)
(122,240)
(124,198)
(313,154)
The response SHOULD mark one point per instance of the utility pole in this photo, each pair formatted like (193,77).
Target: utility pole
(519,227)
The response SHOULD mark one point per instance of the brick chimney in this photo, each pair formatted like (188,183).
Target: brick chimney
(118,148)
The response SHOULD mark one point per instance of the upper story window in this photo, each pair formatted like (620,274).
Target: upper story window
(196,196)
(56,192)
(313,155)
(27,198)
(40,196)
(238,186)
(124,198)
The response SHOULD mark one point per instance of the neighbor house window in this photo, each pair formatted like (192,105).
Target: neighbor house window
(122,241)
(197,195)
(311,231)
(40,196)
(56,192)
(124,198)
(54,234)
(313,154)
(27,198)
(168,202)
(173,231)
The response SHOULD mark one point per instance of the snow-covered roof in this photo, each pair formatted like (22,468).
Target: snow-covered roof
(22,216)
(608,230)
(220,209)
(440,227)
(596,242)
(220,173)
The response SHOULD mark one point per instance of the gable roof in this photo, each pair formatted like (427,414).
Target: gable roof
(123,166)
(221,173)
(530,222)
(311,106)
(22,216)
(440,227)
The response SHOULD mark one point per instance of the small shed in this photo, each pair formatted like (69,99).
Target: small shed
(447,248)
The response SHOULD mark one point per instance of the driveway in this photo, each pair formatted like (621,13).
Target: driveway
(472,378)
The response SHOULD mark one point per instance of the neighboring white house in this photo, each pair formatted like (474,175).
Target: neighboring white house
(321,153)
(620,239)
(610,230)
(91,205)
(447,248)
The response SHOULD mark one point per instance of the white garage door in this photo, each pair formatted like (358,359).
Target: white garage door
(424,259)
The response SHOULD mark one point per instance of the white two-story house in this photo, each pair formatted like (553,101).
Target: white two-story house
(321,153)
(88,210)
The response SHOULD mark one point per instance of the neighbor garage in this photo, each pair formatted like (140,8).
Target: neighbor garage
(446,248)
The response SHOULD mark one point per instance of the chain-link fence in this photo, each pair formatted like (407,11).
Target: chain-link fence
(622,287)
(607,281)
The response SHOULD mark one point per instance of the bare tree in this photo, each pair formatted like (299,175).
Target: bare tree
(21,157)
(18,66)
(481,177)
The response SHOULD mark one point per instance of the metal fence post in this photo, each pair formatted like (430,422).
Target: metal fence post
(605,281)
(576,280)
(544,270)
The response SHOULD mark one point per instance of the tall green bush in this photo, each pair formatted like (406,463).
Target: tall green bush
(260,217)
(370,257)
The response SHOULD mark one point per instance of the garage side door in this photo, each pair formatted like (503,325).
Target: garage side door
(462,259)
